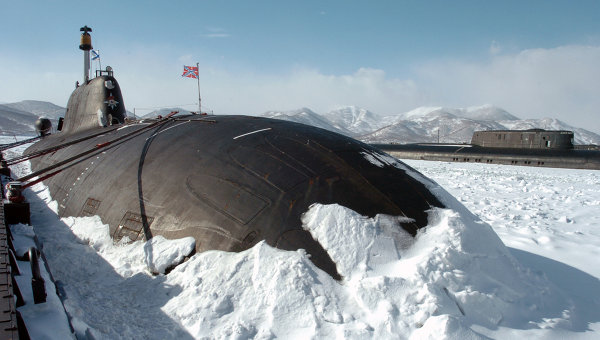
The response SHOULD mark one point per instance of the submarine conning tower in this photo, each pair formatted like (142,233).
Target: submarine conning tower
(96,102)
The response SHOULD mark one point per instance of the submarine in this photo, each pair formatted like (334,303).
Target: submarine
(532,147)
(228,181)
(564,156)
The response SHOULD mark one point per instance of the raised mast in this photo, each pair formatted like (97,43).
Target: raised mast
(86,46)
(199,99)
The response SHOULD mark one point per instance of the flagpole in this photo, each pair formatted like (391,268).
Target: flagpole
(199,100)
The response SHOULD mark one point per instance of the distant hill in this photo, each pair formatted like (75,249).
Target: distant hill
(433,124)
(354,119)
(19,118)
(582,136)
(16,122)
(39,108)
(484,112)
(308,117)
(423,124)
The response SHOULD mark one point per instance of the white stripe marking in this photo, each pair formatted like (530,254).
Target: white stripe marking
(249,133)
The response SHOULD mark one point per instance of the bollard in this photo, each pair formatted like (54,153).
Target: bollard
(16,210)
(4,169)
(37,281)
(13,192)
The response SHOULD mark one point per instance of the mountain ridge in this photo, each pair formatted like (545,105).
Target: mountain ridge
(422,124)
(427,124)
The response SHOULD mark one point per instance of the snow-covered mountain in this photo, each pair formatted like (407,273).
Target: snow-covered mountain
(421,125)
(444,128)
(354,119)
(425,124)
(582,136)
(17,122)
(39,108)
(19,118)
(484,112)
(308,117)
(433,124)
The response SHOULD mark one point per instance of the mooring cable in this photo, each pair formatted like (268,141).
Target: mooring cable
(15,144)
(95,150)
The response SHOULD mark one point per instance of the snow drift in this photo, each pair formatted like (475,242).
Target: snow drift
(455,279)
(455,276)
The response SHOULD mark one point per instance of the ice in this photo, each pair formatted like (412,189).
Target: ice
(498,262)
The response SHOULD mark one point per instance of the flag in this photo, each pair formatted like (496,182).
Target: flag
(95,55)
(190,72)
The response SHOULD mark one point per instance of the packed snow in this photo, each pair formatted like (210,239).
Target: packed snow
(455,280)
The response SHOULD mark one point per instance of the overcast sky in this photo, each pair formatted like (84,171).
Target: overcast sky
(533,58)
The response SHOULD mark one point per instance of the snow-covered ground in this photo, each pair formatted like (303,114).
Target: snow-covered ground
(456,280)
(550,221)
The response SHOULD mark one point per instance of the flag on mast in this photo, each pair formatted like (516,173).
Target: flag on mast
(95,55)
(190,72)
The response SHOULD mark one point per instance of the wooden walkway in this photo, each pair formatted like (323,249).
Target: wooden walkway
(8,309)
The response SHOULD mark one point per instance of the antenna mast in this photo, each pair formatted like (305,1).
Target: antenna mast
(86,46)
(199,100)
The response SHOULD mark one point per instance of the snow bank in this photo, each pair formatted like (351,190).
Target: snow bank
(110,290)
(456,274)
(155,255)
(44,320)
(455,280)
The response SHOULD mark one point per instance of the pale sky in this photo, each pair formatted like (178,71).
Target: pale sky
(533,58)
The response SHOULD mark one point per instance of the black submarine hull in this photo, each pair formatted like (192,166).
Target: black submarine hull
(227,181)
(556,158)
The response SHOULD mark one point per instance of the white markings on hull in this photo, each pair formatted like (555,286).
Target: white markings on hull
(250,133)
